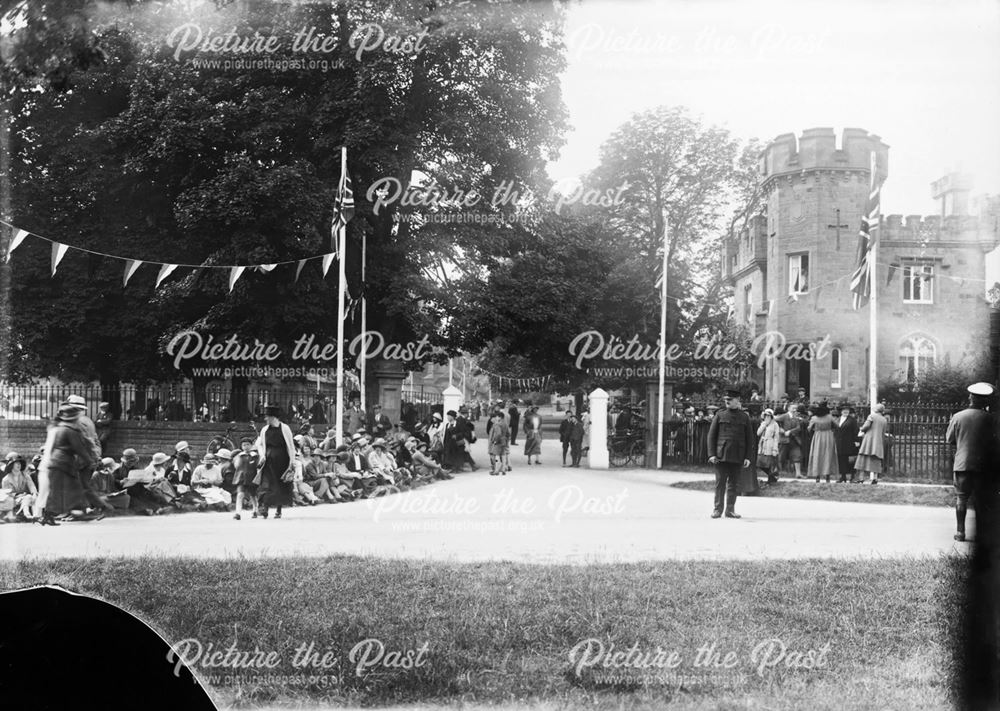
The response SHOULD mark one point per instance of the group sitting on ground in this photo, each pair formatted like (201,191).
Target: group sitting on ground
(81,484)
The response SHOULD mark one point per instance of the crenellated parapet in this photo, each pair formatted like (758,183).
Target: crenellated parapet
(921,228)
(817,150)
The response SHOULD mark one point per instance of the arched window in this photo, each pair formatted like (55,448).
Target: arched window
(916,354)
(836,368)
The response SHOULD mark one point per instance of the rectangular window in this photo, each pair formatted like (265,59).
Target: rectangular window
(918,283)
(798,273)
(835,368)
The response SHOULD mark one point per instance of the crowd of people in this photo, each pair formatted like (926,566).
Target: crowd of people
(796,437)
(72,477)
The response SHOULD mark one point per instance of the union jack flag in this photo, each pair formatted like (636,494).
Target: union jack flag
(343,206)
(861,279)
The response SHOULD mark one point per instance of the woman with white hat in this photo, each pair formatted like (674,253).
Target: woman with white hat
(207,481)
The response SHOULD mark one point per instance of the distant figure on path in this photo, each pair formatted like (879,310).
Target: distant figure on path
(533,435)
(515,421)
(847,443)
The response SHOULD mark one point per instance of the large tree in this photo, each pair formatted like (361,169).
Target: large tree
(157,157)
(662,165)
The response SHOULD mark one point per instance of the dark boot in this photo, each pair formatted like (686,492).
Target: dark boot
(48,518)
(960,521)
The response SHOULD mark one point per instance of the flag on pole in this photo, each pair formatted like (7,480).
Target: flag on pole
(861,279)
(343,208)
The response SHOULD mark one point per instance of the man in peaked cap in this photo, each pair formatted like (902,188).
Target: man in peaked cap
(972,432)
(730,442)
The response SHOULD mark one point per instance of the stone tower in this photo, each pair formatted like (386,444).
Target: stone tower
(814,192)
(791,271)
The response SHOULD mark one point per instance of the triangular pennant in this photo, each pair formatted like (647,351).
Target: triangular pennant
(18,238)
(58,251)
(131,265)
(793,298)
(234,275)
(327,261)
(164,272)
(298,268)
(266,267)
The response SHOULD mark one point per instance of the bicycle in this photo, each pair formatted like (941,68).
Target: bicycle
(627,449)
(222,441)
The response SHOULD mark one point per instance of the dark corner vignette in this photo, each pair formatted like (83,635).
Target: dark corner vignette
(60,650)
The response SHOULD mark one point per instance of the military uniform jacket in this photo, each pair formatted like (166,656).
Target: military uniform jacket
(730,437)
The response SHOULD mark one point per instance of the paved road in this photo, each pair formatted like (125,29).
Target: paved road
(535,514)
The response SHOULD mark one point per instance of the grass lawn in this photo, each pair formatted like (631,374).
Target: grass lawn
(856,493)
(502,634)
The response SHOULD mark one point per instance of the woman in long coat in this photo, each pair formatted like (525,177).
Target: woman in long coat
(60,489)
(823,448)
(767,446)
(847,443)
(275,467)
(871,454)
(533,435)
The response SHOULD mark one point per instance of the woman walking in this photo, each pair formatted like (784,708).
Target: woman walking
(499,441)
(767,446)
(823,449)
(533,435)
(871,454)
(60,489)
(276,469)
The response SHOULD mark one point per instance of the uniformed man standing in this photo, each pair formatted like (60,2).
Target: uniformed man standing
(971,431)
(730,442)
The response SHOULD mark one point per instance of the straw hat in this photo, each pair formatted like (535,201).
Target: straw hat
(159,459)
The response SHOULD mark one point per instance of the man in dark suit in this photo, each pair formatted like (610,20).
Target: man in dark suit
(576,440)
(378,423)
(565,430)
(515,421)
(730,442)
(356,461)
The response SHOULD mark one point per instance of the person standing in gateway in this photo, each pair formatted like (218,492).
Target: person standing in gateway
(730,441)
(971,432)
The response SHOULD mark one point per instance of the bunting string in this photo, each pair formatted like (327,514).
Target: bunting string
(59,250)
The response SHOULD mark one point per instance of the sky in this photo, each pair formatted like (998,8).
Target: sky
(925,76)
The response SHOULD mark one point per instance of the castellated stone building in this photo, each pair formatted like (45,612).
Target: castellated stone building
(791,270)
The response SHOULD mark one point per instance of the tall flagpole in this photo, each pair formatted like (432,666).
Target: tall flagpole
(663,346)
(364,318)
(341,288)
(873,299)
